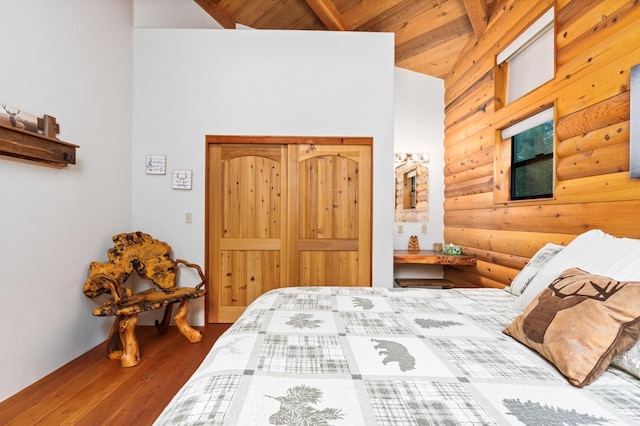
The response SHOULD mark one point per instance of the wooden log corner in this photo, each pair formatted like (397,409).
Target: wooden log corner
(32,146)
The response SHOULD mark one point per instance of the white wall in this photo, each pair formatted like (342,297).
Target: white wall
(70,59)
(190,83)
(419,127)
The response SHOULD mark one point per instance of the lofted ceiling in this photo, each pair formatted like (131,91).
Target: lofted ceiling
(429,34)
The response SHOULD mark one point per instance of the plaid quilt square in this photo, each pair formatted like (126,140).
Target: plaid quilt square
(373,323)
(491,359)
(305,301)
(302,354)
(421,304)
(396,402)
(205,401)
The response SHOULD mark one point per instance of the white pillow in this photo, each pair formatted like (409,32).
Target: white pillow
(594,251)
(629,361)
(531,269)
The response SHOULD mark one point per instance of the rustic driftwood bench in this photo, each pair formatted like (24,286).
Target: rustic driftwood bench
(151,259)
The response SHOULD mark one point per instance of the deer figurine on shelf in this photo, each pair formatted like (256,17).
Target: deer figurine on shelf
(12,117)
(414,244)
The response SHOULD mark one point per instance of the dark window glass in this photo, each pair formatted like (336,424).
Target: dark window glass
(532,163)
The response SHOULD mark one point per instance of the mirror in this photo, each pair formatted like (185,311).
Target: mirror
(412,187)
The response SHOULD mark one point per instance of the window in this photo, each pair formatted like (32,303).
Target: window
(532,156)
(528,61)
(532,163)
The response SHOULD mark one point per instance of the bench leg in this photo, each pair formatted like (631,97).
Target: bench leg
(192,335)
(130,348)
(122,343)
(163,326)
(113,341)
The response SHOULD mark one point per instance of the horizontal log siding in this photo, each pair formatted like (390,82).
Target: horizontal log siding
(596,45)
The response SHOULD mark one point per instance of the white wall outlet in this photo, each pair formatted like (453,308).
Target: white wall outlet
(188,218)
(400,229)
(424,228)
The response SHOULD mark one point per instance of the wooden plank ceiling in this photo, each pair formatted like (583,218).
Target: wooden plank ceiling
(429,34)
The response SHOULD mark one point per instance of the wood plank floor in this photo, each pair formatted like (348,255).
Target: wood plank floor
(93,390)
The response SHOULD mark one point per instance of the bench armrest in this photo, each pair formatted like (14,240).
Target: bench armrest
(197,268)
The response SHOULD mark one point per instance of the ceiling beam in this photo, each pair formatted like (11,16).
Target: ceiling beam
(217,13)
(478,15)
(328,14)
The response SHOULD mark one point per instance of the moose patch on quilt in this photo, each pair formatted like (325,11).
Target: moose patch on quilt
(580,322)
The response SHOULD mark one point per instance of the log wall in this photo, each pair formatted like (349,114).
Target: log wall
(597,42)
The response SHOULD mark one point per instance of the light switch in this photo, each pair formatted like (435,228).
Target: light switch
(424,228)
(400,229)
(188,217)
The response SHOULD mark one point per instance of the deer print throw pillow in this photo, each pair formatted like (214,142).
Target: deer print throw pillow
(580,322)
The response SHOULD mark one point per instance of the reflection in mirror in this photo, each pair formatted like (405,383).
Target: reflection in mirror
(412,188)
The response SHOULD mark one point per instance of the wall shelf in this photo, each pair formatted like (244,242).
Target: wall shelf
(36,147)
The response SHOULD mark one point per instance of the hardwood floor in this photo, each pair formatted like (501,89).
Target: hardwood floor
(93,390)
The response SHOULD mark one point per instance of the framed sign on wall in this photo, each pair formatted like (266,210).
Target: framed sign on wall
(182,179)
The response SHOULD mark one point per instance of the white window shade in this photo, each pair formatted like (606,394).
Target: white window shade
(528,123)
(529,35)
(530,58)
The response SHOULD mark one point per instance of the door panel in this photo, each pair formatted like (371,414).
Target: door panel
(252,198)
(247,227)
(246,274)
(332,236)
(330,206)
(318,268)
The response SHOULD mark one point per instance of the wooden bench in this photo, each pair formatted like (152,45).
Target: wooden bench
(150,259)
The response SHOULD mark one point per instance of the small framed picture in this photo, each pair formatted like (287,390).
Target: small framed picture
(156,164)
(182,179)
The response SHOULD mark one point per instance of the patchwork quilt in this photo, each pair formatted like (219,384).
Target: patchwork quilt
(374,356)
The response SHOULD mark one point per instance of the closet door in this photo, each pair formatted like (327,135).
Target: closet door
(330,215)
(247,226)
(284,215)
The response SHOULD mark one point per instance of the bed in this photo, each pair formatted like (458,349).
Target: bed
(391,356)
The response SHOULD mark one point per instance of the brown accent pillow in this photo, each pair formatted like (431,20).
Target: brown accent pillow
(580,322)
